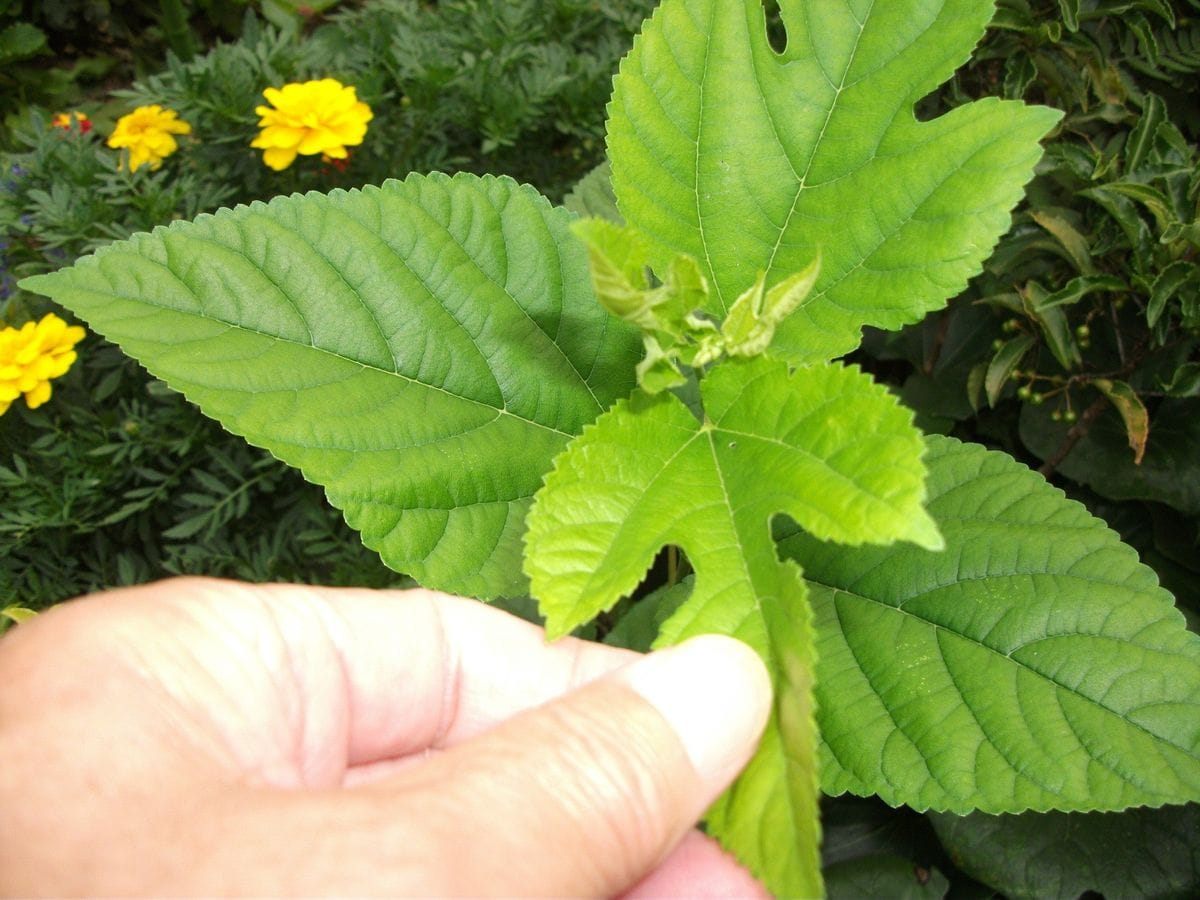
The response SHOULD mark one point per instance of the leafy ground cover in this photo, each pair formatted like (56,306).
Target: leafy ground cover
(981,642)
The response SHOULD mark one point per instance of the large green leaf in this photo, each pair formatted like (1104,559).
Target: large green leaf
(649,474)
(1033,664)
(422,350)
(751,160)
(1137,853)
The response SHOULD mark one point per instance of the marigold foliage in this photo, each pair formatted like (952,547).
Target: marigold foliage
(32,355)
(149,134)
(310,118)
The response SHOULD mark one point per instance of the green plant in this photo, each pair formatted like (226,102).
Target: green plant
(1077,348)
(432,352)
(53,52)
(75,519)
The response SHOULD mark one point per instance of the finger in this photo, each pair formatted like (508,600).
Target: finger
(296,683)
(584,795)
(698,869)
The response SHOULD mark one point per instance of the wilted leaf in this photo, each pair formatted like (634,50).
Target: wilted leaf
(1133,414)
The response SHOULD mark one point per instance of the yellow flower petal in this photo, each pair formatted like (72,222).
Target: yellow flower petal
(278,158)
(310,118)
(147,133)
(38,395)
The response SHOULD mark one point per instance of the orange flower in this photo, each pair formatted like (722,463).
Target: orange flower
(75,118)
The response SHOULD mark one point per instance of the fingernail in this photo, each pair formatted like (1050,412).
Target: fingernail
(716,694)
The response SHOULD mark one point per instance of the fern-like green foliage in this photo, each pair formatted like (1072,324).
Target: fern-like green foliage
(942,628)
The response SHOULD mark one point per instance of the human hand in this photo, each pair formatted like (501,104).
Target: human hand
(197,736)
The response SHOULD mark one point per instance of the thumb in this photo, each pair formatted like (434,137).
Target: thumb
(587,794)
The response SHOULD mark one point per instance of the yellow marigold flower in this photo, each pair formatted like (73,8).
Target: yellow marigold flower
(149,134)
(313,117)
(33,354)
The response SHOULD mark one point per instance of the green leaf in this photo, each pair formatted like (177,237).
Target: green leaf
(1180,231)
(1069,238)
(1124,213)
(1034,664)
(750,326)
(423,350)
(1079,287)
(1169,472)
(1020,72)
(17,614)
(1185,382)
(593,195)
(1142,137)
(674,329)
(748,160)
(1036,304)
(639,627)
(805,428)
(21,40)
(1069,9)
(648,473)
(1001,367)
(1170,281)
(1150,197)
(884,876)
(1138,853)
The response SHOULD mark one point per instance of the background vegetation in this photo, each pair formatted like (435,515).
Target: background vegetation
(119,480)
(1076,350)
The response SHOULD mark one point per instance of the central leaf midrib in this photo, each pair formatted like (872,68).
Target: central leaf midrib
(793,809)
(801,186)
(835,474)
(348,214)
(500,411)
(631,520)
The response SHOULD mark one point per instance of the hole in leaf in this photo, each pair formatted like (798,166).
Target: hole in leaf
(776,33)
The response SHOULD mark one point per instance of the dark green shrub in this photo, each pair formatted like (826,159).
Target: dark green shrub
(52,51)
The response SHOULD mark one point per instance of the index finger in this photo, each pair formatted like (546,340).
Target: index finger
(299,683)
